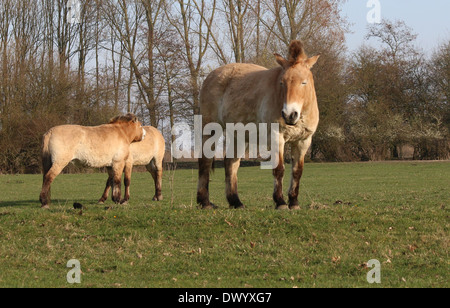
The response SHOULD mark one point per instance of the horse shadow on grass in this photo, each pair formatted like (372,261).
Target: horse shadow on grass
(55,203)
(27,203)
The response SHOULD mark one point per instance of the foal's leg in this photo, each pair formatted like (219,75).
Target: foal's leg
(127,181)
(278,174)
(298,161)
(231,169)
(204,171)
(117,170)
(51,174)
(156,169)
(109,184)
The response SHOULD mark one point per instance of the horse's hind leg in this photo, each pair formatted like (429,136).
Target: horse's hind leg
(117,170)
(156,169)
(49,177)
(231,169)
(204,171)
(109,184)
(127,182)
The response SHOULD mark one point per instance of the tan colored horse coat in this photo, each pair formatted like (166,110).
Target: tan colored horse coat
(149,153)
(247,93)
(100,146)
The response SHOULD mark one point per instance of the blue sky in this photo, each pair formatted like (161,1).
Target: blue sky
(429,19)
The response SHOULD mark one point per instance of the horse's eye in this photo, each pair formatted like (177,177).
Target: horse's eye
(304,83)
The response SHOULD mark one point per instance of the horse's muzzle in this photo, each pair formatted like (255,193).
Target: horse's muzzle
(291,119)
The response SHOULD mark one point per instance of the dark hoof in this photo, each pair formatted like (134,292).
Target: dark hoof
(210,206)
(158,198)
(237,207)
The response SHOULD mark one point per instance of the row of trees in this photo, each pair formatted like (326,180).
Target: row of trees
(84,61)
(391,97)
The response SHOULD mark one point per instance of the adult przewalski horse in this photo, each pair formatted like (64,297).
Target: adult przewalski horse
(247,93)
(149,153)
(106,145)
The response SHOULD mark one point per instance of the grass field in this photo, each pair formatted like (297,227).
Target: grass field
(397,213)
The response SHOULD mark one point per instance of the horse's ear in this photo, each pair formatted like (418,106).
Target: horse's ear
(312,61)
(281,61)
(132,118)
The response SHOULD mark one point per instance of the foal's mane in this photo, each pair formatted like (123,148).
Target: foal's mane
(124,119)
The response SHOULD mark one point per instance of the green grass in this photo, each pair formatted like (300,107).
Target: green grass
(397,213)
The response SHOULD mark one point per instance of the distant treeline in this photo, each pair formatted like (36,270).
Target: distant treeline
(83,62)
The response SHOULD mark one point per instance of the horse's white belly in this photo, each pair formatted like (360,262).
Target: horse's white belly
(141,159)
(87,158)
(143,152)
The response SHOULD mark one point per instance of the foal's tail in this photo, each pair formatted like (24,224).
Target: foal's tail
(46,155)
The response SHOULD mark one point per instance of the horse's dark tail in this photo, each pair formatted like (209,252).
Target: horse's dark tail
(46,155)
(46,166)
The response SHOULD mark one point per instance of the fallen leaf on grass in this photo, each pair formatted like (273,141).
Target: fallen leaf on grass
(413,247)
(229,223)
(363,265)
(336,260)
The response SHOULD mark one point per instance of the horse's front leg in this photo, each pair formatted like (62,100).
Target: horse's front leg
(117,181)
(298,162)
(109,184)
(278,174)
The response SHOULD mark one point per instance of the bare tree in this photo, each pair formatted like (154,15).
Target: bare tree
(192,20)
(127,18)
(397,38)
(65,35)
(6,11)
(302,19)
(440,76)
(236,14)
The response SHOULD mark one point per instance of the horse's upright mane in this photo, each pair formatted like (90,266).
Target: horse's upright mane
(129,117)
(296,52)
